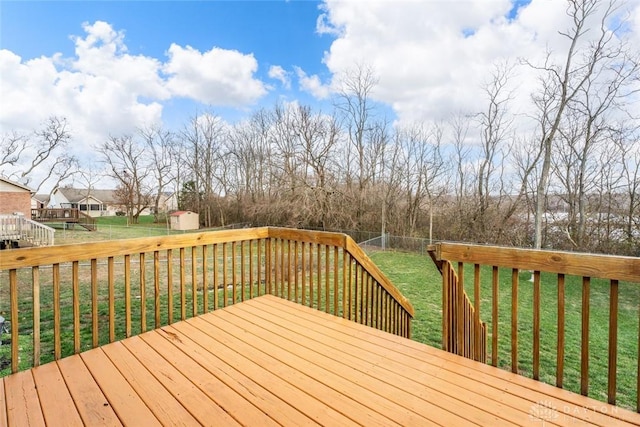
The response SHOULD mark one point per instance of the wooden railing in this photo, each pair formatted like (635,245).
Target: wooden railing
(576,292)
(69,298)
(19,228)
(463,332)
(64,215)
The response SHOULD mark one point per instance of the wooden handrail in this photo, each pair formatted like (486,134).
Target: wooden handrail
(90,294)
(583,269)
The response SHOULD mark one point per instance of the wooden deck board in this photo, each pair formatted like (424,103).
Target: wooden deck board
(268,361)
(55,400)
(496,398)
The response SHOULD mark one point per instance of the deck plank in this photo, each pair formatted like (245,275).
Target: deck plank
(158,399)
(93,406)
(451,398)
(23,406)
(252,391)
(570,407)
(124,400)
(181,387)
(225,397)
(292,387)
(337,392)
(511,407)
(379,389)
(55,400)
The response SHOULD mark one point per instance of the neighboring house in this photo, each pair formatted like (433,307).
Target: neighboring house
(90,201)
(15,198)
(185,220)
(95,202)
(39,201)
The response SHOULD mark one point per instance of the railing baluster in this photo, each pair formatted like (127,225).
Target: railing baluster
(15,323)
(205,279)
(290,270)
(560,328)
(169,286)
(303,274)
(267,268)
(460,309)
(613,341)
(183,296)
(94,302)
(156,288)
(311,274)
(127,295)
(194,282)
(536,325)
(296,268)
(216,286)
(514,320)
(260,265)
(251,268)
(224,274)
(476,305)
(327,297)
(234,281)
(112,299)
(242,272)
(143,293)
(584,346)
(494,315)
(319,276)
(75,295)
(35,277)
(335,282)
(276,262)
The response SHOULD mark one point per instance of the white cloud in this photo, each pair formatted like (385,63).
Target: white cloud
(216,77)
(276,72)
(312,84)
(432,57)
(103,89)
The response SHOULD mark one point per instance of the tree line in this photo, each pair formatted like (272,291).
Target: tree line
(572,182)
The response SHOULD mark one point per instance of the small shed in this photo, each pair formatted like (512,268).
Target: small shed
(185,220)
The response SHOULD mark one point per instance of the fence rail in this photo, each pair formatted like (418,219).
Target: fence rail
(70,298)
(549,273)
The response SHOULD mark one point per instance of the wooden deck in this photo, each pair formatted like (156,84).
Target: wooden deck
(268,361)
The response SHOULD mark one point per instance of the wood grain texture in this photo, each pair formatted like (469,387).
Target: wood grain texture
(578,264)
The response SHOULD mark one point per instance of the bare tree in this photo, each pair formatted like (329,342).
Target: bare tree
(562,83)
(203,139)
(160,144)
(127,163)
(495,129)
(45,150)
(365,133)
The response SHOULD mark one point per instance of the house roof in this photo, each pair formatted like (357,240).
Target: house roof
(75,195)
(42,198)
(16,184)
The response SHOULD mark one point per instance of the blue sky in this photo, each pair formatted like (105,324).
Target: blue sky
(111,67)
(281,33)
